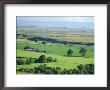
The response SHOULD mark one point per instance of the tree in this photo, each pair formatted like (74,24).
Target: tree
(56,70)
(26,47)
(44,42)
(25,35)
(44,69)
(36,40)
(86,69)
(20,61)
(29,61)
(42,59)
(83,51)
(66,43)
(49,59)
(69,52)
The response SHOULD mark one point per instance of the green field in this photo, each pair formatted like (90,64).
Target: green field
(59,51)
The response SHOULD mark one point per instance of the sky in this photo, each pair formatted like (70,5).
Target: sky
(56,21)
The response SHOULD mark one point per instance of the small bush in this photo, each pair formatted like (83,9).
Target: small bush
(42,59)
(86,69)
(20,61)
(29,61)
(49,59)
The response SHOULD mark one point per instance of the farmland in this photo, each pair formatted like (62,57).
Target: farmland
(56,50)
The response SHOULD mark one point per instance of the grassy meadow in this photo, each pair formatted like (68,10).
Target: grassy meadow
(54,50)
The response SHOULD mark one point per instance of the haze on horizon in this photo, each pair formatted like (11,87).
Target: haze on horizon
(80,22)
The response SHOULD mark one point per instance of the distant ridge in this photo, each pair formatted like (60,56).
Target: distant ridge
(60,24)
(52,28)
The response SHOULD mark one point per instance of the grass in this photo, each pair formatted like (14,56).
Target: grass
(75,38)
(61,34)
(59,52)
(58,49)
(62,61)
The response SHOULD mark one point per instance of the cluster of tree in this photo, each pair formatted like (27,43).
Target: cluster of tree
(82,51)
(23,60)
(41,59)
(44,69)
(27,47)
(53,40)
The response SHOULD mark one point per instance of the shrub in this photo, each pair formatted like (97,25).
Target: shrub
(42,59)
(57,70)
(29,61)
(26,47)
(44,69)
(21,70)
(86,69)
(20,61)
(49,59)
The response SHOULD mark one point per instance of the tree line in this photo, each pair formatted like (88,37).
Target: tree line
(30,60)
(36,39)
(44,69)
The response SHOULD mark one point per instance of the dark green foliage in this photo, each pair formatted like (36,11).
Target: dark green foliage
(27,70)
(29,61)
(23,60)
(26,47)
(83,51)
(44,69)
(49,59)
(57,70)
(75,71)
(64,71)
(86,69)
(36,40)
(69,52)
(25,35)
(20,61)
(35,60)
(42,59)
(40,69)
(44,42)
(66,43)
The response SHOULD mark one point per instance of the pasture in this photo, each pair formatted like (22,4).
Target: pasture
(59,51)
